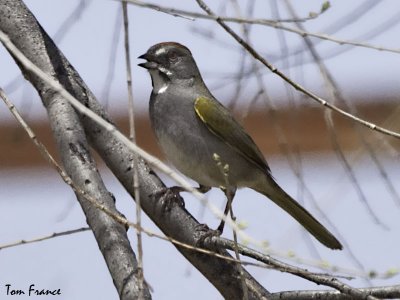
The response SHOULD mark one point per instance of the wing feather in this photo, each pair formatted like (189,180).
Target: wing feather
(221,123)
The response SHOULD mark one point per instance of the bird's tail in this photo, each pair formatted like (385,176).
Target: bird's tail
(282,199)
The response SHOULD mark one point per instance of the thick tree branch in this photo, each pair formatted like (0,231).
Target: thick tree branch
(22,27)
(382,292)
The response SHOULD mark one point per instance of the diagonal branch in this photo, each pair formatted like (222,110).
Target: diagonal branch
(71,140)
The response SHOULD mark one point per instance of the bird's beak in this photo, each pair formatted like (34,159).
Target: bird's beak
(145,56)
(148,64)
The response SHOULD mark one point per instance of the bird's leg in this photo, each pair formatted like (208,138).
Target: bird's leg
(203,232)
(203,188)
(230,194)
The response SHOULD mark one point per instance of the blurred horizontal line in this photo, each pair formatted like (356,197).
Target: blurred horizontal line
(304,129)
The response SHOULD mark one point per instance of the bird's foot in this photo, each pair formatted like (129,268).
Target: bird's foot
(203,232)
(169,196)
(221,226)
(203,188)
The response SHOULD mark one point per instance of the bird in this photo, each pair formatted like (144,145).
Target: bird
(196,132)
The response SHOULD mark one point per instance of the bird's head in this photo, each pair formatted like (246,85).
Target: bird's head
(169,62)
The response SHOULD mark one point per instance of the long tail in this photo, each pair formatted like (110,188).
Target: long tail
(279,196)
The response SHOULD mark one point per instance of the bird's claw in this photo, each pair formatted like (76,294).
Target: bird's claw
(169,196)
(203,232)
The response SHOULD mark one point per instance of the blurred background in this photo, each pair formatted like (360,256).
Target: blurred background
(345,174)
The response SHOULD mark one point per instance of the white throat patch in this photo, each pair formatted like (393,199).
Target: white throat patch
(159,84)
(162,89)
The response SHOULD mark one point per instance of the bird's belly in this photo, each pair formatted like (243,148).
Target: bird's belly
(193,155)
(190,160)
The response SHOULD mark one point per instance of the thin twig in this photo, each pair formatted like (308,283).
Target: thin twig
(132,137)
(241,75)
(108,80)
(349,171)
(230,194)
(181,13)
(43,238)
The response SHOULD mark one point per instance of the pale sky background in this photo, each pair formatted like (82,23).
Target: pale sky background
(36,202)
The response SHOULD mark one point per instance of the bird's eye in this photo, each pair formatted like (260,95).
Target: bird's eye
(173,56)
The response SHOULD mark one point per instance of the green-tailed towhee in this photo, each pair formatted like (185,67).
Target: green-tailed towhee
(192,126)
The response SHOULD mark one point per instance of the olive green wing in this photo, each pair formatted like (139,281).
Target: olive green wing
(221,123)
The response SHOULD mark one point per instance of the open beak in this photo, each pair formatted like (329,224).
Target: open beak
(148,64)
